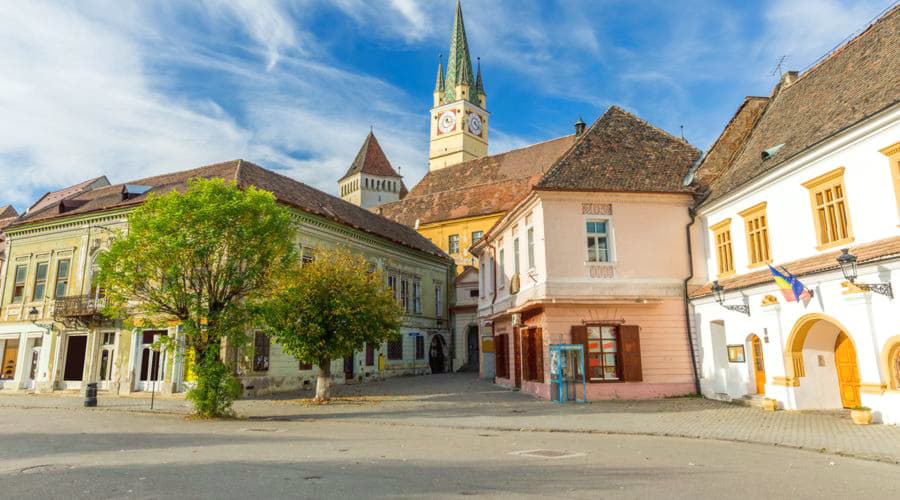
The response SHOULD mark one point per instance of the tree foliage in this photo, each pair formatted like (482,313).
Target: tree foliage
(328,309)
(203,258)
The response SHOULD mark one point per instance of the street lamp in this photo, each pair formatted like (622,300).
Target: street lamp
(719,293)
(848,265)
(33,314)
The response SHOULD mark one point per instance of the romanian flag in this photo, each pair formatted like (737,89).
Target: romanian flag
(790,286)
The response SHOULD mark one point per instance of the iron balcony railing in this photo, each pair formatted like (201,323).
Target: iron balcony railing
(78,306)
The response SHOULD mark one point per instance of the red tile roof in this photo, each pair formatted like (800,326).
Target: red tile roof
(853,83)
(488,185)
(285,189)
(54,197)
(371,160)
(621,152)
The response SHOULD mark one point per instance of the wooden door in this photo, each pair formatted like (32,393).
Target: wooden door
(517,357)
(10,355)
(847,371)
(348,367)
(759,367)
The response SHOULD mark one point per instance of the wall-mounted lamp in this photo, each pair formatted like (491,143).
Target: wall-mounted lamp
(848,266)
(719,294)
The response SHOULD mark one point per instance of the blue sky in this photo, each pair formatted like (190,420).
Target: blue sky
(130,89)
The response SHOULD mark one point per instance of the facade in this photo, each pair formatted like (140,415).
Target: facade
(596,255)
(52,307)
(793,180)
(371,180)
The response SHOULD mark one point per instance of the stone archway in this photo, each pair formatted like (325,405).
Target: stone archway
(820,352)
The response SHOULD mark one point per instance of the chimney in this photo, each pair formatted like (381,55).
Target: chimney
(787,79)
(579,127)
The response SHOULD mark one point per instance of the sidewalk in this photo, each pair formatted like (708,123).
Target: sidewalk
(463,401)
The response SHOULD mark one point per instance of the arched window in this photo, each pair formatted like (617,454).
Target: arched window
(894,366)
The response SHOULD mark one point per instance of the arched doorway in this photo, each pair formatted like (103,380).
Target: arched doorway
(847,371)
(436,357)
(821,364)
(759,367)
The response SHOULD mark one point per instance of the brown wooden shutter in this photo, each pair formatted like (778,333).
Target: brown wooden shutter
(539,354)
(579,336)
(631,353)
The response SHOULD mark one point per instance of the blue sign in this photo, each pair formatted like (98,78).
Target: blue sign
(415,334)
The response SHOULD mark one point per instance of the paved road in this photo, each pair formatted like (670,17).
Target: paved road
(464,402)
(53,453)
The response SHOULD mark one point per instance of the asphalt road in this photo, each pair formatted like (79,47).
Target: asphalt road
(51,453)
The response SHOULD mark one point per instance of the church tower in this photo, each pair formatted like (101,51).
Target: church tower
(459,118)
(371,180)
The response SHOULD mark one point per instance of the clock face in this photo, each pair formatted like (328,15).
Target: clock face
(475,124)
(446,122)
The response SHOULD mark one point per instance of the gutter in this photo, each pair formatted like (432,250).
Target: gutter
(686,300)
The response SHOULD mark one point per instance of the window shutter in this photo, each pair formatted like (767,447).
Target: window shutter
(579,336)
(539,354)
(631,353)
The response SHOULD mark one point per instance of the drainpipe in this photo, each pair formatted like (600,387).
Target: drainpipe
(687,312)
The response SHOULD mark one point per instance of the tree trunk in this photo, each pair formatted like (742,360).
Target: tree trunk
(323,382)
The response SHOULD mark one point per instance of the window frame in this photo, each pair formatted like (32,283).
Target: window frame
(517,268)
(417,296)
(619,369)
(40,282)
(723,248)
(893,155)
(530,241)
(62,278)
(261,360)
(608,235)
(420,346)
(453,244)
(404,294)
(18,296)
(476,235)
(395,349)
(830,181)
(438,300)
(756,232)
(501,271)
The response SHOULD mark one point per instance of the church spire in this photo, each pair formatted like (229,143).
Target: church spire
(479,87)
(459,64)
(439,84)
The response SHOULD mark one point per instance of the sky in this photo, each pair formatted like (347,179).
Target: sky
(136,88)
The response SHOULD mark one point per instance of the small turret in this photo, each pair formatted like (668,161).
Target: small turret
(439,85)
(479,88)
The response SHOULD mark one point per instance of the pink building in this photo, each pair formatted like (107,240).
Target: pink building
(597,254)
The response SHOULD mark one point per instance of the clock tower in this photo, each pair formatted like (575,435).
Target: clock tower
(459,118)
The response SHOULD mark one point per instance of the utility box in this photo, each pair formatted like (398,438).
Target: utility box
(567,373)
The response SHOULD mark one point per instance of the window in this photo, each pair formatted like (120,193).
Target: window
(501,272)
(516,255)
(530,248)
(757,235)
(724,255)
(305,366)
(392,284)
(473,293)
(453,244)
(62,278)
(40,281)
(893,154)
(308,255)
(404,294)
(370,354)
(261,352)
(19,286)
(420,347)
(829,205)
(395,349)
(417,297)
(598,241)
(476,235)
(107,352)
(611,353)
(438,301)
(602,353)
(533,354)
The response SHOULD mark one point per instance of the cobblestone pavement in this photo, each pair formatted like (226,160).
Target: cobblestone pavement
(463,401)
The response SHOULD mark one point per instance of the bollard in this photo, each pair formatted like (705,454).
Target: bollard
(90,395)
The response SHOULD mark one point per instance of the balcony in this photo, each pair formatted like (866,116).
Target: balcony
(79,309)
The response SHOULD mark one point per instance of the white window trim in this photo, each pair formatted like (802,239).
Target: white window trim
(610,235)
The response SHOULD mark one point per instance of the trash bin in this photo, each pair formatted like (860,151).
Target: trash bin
(90,395)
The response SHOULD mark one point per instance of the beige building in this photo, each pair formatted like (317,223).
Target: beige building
(52,308)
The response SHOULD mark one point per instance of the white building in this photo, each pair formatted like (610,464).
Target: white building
(793,180)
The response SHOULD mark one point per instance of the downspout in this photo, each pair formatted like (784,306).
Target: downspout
(687,312)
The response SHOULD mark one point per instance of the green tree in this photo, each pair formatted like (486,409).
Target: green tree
(328,309)
(204,258)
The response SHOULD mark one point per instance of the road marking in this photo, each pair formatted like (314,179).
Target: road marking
(554,454)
